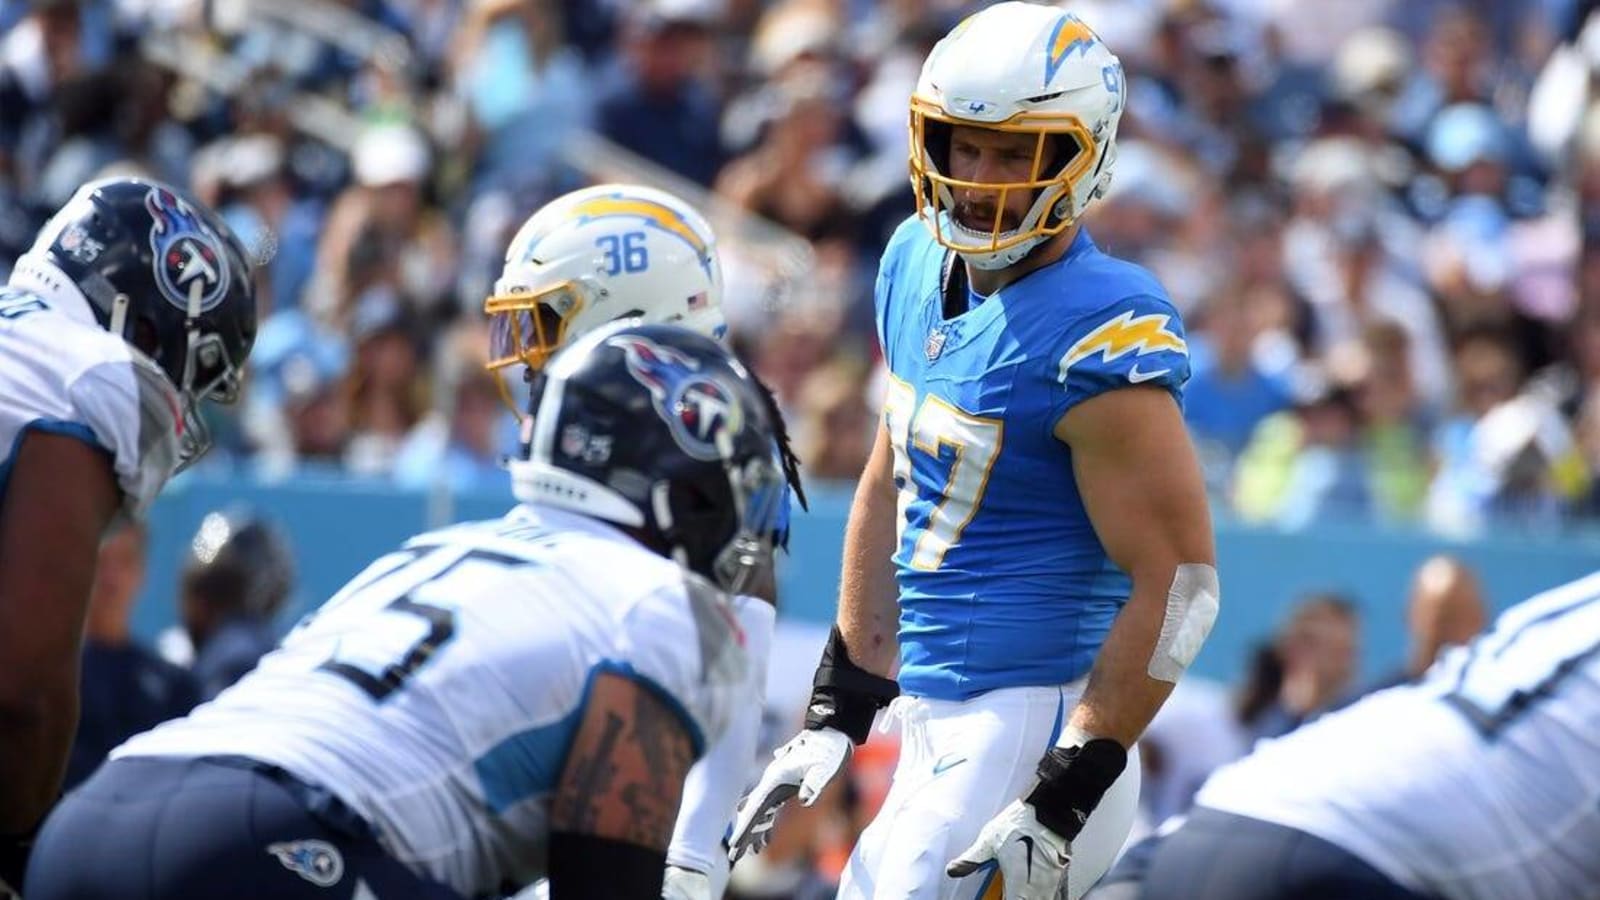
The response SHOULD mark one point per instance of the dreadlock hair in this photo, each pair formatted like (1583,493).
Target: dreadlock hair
(791,463)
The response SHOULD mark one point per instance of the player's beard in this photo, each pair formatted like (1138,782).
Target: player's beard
(979,217)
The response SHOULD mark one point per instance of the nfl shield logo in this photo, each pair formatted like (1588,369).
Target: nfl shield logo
(935,345)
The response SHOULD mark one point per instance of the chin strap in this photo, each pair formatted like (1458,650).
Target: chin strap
(119,314)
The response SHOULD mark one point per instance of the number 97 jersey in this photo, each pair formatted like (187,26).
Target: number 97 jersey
(1003,582)
(438,693)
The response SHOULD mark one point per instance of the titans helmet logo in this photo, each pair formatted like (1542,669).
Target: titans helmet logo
(188,254)
(699,409)
(318,862)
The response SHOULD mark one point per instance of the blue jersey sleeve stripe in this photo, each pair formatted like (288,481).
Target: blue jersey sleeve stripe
(529,763)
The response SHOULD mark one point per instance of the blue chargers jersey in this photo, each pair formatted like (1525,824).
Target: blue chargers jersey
(1003,582)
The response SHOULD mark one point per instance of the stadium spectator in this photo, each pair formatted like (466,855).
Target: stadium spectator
(654,100)
(1231,390)
(248,179)
(1317,651)
(1306,465)
(1446,609)
(461,444)
(382,236)
(523,86)
(388,394)
(297,410)
(126,687)
(833,432)
(237,578)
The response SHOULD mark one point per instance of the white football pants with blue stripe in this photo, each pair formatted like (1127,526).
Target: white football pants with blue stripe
(961,762)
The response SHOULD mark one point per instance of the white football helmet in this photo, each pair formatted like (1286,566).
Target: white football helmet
(599,254)
(1017,67)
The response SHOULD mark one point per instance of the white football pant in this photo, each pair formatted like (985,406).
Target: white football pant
(960,763)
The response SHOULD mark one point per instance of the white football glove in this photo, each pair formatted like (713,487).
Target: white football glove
(804,766)
(685,884)
(1033,859)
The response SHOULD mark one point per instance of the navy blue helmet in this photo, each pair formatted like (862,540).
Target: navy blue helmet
(661,430)
(169,276)
(241,561)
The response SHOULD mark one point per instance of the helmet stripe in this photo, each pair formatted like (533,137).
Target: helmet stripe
(660,215)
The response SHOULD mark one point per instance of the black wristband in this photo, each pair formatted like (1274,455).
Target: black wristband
(1071,782)
(583,865)
(845,696)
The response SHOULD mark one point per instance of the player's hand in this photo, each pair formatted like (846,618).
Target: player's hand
(685,884)
(1033,859)
(802,767)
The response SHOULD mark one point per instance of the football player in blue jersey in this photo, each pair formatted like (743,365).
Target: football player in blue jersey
(591,257)
(1030,538)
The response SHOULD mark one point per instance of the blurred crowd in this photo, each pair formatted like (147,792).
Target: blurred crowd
(1372,213)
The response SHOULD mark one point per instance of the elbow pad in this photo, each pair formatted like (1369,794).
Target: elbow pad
(1192,604)
(845,696)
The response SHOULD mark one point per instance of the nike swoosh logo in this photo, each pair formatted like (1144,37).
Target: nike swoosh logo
(945,763)
(1027,842)
(1135,376)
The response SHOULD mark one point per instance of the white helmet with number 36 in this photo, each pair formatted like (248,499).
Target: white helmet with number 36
(596,255)
(1020,68)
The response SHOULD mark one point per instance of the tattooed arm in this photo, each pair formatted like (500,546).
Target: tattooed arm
(618,796)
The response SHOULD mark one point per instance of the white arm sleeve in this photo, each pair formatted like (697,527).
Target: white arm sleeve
(714,784)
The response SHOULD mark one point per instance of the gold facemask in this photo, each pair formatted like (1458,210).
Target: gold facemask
(527,328)
(935,190)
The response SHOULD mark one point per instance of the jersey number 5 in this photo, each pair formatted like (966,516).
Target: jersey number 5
(393,592)
(941,438)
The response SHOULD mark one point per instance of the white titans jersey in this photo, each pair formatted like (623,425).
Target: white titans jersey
(61,373)
(1480,783)
(438,692)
